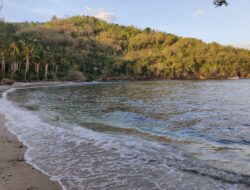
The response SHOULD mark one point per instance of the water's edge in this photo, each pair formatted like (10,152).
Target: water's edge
(26,158)
(82,147)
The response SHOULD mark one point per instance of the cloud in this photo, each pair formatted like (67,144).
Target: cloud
(242,45)
(107,16)
(101,14)
(29,9)
(198,12)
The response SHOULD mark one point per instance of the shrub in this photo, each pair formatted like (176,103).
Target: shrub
(75,76)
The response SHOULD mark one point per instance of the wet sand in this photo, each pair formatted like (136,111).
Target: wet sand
(15,173)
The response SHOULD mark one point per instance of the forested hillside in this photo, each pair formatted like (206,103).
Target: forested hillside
(84,47)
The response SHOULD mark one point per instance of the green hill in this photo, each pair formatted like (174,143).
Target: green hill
(86,47)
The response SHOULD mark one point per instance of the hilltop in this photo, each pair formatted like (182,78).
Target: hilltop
(83,47)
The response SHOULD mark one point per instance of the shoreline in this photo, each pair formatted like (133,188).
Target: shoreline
(15,172)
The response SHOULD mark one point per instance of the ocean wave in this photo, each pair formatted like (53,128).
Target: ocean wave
(80,158)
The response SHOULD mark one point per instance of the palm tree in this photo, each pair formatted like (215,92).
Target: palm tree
(3,65)
(56,59)
(38,57)
(46,66)
(15,53)
(28,51)
(46,63)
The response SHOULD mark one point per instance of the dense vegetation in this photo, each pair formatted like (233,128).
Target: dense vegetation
(88,48)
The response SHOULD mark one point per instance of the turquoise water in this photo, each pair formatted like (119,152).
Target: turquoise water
(137,135)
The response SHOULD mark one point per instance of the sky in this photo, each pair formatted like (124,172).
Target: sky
(188,18)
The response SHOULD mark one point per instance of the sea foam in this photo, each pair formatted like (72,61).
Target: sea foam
(79,158)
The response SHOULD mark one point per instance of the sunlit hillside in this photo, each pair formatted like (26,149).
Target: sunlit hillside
(94,49)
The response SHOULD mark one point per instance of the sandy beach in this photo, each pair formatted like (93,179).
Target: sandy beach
(15,173)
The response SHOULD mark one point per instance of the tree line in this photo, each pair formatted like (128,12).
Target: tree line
(83,47)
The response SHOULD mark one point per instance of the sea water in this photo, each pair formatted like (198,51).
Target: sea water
(136,135)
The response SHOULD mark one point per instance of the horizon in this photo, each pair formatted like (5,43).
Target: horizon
(192,19)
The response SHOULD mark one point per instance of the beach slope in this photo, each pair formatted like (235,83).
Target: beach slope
(15,173)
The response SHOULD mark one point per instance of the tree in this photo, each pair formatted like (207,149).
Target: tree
(54,18)
(3,65)
(47,59)
(28,51)
(15,53)
(117,52)
(219,3)
(38,57)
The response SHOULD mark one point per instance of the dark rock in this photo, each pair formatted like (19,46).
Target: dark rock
(6,82)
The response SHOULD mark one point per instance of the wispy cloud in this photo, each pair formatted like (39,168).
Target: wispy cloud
(101,14)
(36,11)
(198,12)
(242,45)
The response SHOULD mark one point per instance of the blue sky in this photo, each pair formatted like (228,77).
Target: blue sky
(188,18)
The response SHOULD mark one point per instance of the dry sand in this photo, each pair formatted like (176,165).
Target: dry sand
(15,173)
